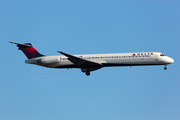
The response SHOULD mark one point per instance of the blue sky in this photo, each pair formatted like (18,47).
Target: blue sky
(88,27)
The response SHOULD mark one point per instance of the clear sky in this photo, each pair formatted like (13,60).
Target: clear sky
(29,92)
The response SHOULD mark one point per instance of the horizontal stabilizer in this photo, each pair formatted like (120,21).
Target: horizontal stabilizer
(20,44)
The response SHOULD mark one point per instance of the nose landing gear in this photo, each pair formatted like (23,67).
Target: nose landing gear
(165,68)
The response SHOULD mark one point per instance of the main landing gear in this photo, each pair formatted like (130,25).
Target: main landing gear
(86,70)
(87,73)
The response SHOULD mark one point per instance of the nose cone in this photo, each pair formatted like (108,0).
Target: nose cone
(170,60)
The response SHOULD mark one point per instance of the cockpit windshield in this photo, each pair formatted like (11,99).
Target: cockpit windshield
(162,54)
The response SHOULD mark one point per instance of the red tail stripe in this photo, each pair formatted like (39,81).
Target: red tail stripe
(30,52)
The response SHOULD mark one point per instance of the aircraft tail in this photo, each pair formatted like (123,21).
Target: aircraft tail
(28,50)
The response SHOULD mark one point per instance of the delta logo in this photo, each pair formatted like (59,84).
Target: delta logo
(138,54)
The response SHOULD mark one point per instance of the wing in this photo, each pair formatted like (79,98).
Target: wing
(80,62)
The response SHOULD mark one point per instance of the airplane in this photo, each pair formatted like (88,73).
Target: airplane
(92,62)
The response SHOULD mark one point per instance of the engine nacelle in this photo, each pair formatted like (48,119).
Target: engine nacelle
(50,60)
(44,60)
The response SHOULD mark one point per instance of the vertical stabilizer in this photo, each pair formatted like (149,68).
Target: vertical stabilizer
(28,50)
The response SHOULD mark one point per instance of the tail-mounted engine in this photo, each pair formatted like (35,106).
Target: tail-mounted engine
(44,60)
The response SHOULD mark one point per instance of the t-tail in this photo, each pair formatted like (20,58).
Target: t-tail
(28,50)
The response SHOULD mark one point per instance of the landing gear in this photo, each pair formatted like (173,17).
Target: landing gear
(165,68)
(86,70)
(87,73)
(83,69)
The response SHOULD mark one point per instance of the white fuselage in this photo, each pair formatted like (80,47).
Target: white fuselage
(116,59)
(92,62)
